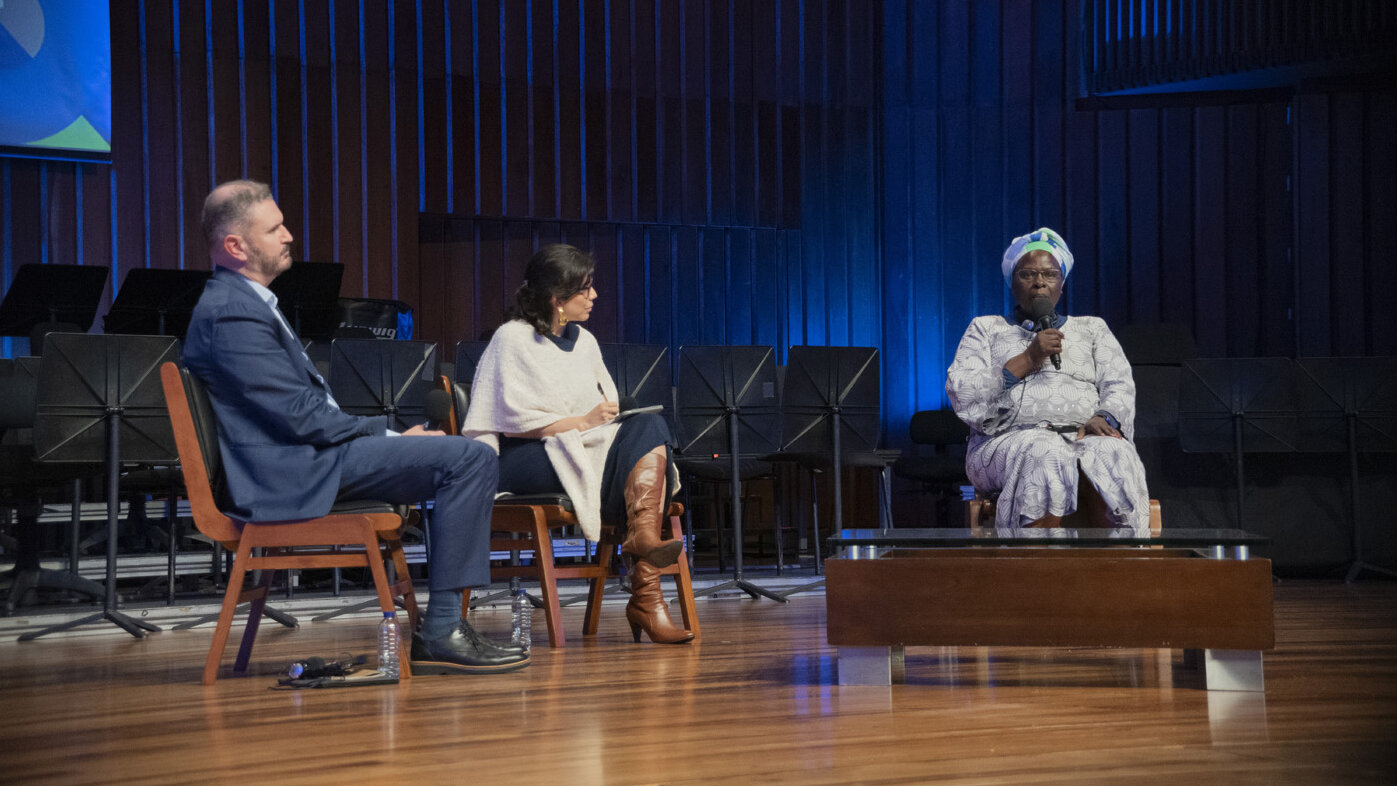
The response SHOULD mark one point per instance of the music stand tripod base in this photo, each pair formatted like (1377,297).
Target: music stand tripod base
(1358,568)
(275,615)
(743,585)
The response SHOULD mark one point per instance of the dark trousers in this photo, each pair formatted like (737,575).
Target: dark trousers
(459,474)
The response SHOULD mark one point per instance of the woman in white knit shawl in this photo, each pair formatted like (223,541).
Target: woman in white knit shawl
(543,398)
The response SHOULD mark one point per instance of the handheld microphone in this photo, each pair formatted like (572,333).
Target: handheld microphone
(1040,310)
(437,406)
(624,403)
(310,667)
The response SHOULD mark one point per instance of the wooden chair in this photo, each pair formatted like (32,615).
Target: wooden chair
(314,543)
(526,523)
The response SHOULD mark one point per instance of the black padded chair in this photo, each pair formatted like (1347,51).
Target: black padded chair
(938,465)
(1157,353)
(1163,344)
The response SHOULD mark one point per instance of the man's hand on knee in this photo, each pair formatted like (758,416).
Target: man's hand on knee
(423,431)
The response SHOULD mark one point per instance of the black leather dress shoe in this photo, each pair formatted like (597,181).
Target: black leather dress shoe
(463,652)
(489,644)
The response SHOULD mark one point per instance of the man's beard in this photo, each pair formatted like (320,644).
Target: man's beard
(268,264)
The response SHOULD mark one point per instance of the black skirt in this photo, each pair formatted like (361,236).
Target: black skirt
(525,469)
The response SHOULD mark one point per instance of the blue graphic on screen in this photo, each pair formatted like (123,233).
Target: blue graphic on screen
(55,75)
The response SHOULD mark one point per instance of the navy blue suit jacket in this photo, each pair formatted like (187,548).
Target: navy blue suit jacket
(281,440)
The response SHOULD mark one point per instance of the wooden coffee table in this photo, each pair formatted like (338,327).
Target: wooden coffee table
(1184,589)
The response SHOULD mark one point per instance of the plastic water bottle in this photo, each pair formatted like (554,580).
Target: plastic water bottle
(388,645)
(521,615)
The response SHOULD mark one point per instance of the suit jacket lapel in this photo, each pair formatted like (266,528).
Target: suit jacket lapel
(291,344)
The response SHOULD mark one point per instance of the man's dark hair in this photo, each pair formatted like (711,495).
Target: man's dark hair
(559,271)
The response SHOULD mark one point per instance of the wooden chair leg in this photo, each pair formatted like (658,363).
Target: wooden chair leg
(684,583)
(548,582)
(374,558)
(402,584)
(596,585)
(972,513)
(231,597)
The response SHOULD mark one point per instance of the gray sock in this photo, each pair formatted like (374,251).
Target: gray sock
(443,614)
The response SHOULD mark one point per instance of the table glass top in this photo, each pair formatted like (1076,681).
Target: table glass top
(1057,536)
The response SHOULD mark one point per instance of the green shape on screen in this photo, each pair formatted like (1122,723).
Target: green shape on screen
(79,135)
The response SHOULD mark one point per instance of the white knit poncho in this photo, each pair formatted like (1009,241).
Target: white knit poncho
(524,382)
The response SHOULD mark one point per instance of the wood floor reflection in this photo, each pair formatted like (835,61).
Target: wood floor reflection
(756,701)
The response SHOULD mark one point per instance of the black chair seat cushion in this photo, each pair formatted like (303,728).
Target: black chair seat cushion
(556,498)
(930,469)
(362,506)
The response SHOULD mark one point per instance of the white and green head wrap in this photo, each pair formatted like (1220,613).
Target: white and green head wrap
(1042,239)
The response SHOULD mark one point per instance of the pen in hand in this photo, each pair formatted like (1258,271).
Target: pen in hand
(605,411)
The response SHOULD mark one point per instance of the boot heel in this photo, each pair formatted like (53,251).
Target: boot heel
(635,632)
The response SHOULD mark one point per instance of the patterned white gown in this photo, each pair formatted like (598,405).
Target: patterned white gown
(1013,449)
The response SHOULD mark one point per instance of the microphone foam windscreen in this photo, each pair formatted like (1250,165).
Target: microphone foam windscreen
(1038,308)
(437,406)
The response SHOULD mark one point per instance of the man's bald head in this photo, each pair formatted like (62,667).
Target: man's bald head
(226,208)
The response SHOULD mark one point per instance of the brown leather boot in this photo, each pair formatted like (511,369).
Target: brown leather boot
(647,610)
(645,495)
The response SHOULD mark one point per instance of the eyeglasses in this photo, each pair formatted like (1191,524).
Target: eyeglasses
(1051,275)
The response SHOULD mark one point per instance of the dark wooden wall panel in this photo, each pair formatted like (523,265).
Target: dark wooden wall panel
(1381,203)
(1249,217)
(656,283)
(1313,227)
(784,171)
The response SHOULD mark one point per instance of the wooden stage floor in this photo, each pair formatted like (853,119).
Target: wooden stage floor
(756,701)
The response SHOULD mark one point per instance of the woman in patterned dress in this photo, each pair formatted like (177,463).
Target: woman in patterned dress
(1050,403)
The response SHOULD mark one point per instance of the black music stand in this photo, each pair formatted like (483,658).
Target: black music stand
(726,404)
(1237,406)
(158,302)
(830,404)
(1349,405)
(56,294)
(377,377)
(24,479)
(640,371)
(100,401)
(308,294)
(831,401)
(155,302)
(468,355)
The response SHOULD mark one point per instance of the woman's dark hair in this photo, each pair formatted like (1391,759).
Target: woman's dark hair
(559,271)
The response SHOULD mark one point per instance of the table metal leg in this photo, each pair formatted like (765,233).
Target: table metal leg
(870,665)
(1233,670)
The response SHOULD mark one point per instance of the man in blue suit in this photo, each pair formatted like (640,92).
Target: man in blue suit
(288,450)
